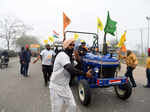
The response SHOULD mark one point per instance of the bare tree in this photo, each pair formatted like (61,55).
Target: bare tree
(11,28)
(27,39)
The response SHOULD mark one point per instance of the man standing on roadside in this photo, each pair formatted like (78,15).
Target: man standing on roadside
(148,70)
(27,59)
(21,61)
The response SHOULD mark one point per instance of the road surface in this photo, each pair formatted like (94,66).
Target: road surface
(20,94)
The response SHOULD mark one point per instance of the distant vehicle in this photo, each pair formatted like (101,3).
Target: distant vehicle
(4,59)
(35,49)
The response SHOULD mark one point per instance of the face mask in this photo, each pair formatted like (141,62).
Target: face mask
(48,49)
(69,51)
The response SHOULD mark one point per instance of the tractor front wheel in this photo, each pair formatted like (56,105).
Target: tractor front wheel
(84,92)
(123,91)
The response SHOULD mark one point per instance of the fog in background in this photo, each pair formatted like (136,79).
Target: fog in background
(46,15)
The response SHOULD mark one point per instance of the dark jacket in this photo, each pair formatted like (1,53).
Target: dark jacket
(27,56)
(82,51)
(21,56)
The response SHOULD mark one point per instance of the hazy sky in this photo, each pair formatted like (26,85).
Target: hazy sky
(46,15)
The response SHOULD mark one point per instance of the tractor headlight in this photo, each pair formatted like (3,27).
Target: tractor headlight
(96,70)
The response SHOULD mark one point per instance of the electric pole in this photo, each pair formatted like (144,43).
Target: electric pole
(148,18)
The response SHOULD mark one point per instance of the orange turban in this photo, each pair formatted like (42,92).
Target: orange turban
(68,42)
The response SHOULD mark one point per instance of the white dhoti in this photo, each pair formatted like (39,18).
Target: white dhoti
(58,100)
(60,92)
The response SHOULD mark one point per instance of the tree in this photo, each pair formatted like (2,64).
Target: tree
(26,39)
(11,28)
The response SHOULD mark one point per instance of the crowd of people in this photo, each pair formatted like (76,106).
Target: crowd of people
(58,70)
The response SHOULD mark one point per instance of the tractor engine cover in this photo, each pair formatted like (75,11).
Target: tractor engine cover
(106,64)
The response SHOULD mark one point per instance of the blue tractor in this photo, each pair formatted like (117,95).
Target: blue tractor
(104,73)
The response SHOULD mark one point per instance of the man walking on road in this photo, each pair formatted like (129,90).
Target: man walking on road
(47,57)
(131,63)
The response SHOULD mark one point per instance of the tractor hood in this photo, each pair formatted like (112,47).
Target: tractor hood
(98,60)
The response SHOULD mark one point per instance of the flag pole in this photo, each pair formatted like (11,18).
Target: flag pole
(97,30)
(97,38)
(64,36)
(104,45)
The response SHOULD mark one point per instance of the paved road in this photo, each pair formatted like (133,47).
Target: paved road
(19,94)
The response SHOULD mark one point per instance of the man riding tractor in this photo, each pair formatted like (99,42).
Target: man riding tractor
(79,53)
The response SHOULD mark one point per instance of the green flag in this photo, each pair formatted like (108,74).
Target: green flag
(110,26)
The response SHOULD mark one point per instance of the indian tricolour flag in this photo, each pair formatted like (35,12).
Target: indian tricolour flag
(55,34)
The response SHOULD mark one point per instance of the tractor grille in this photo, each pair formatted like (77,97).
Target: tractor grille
(107,72)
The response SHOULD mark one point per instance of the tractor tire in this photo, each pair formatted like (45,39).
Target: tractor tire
(84,92)
(123,91)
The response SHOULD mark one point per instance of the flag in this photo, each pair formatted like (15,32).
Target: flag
(51,39)
(110,26)
(122,40)
(81,40)
(76,36)
(66,21)
(123,48)
(45,41)
(55,34)
(99,24)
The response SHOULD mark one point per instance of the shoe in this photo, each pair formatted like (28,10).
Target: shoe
(146,86)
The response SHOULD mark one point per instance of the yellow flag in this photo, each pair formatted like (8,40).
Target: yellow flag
(45,41)
(99,24)
(122,40)
(51,39)
(81,40)
(76,36)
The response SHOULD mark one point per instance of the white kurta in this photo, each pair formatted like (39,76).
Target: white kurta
(60,91)
(47,56)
